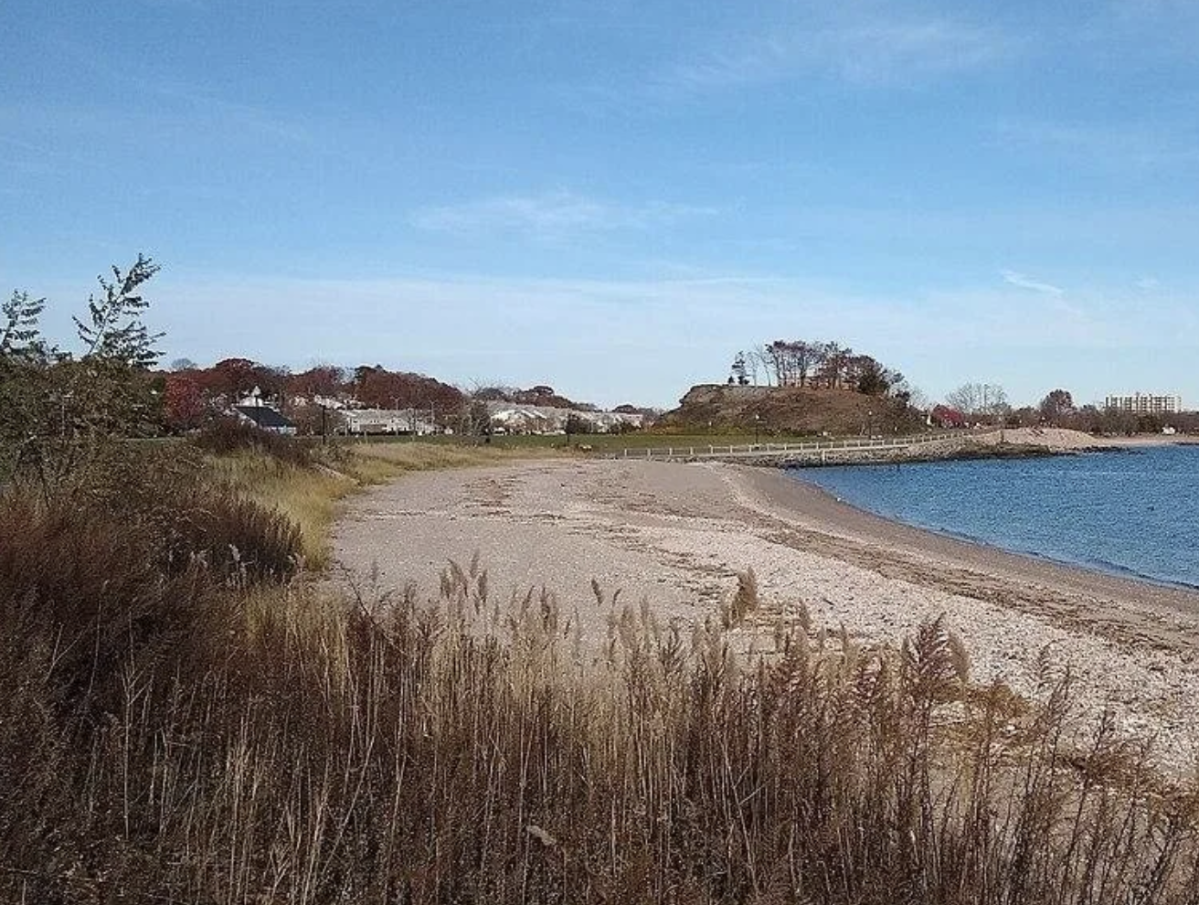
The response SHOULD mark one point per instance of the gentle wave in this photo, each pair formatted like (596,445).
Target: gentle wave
(1131,516)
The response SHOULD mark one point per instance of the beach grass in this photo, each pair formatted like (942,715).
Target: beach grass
(188,718)
(295,748)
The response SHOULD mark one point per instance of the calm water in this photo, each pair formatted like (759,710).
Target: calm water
(1134,513)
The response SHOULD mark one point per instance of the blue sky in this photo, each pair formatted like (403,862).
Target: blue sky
(615,197)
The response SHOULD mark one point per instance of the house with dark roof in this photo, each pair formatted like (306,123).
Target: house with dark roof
(265,418)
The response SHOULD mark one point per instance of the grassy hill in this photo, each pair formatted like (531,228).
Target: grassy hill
(787,410)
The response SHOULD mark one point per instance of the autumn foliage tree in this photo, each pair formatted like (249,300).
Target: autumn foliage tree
(234,378)
(378,387)
(184,405)
(323,380)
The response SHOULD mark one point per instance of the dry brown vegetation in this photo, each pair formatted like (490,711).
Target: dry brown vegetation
(794,410)
(306,481)
(182,723)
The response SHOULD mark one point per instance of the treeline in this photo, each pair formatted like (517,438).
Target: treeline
(193,394)
(987,404)
(807,363)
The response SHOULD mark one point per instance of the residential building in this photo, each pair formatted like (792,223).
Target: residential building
(387,421)
(1145,404)
(252,410)
(265,418)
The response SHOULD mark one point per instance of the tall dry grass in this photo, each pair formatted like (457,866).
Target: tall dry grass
(274,746)
(184,719)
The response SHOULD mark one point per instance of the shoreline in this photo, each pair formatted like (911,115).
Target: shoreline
(816,509)
(1116,572)
(675,536)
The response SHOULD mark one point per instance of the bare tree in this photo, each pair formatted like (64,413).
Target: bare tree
(803,355)
(979,399)
(835,366)
(780,361)
(760,363)
(752,363)
(967,398)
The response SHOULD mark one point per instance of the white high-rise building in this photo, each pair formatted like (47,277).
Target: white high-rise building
(1145,404)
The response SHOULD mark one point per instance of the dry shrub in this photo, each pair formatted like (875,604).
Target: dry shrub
(226,436)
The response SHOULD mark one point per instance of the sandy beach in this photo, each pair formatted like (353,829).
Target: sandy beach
(675,535)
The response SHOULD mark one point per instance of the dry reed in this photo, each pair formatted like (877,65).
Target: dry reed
(176,731)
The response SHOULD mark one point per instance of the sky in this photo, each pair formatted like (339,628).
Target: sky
(615,197)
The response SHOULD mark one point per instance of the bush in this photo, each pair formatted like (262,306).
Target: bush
(104,571)
(226,436)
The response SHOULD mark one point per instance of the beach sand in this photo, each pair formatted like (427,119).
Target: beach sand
(676,535)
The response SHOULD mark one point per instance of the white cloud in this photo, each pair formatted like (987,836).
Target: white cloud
(1021,281)
(552,216)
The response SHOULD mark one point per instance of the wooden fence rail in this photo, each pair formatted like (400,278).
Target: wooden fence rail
(764,449)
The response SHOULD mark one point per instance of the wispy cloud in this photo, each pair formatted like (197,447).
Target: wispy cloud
(553,215)
(1023,282)
(881,51)
(1134,145)
(649,339)
(866,51)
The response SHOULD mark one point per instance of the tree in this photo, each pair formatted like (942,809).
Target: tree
(478,419)
(577,424)
(979,399)
(834,363)
(20,337)
(322,380)
(872,378)
(779,359)
(184,407)
(1056,405)
(805,356)
(114,331)
(25,393)
(57,410)
(753,362)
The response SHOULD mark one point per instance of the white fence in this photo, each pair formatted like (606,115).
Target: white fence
(763,449)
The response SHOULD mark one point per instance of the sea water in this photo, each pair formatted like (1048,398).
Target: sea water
(1134,513)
